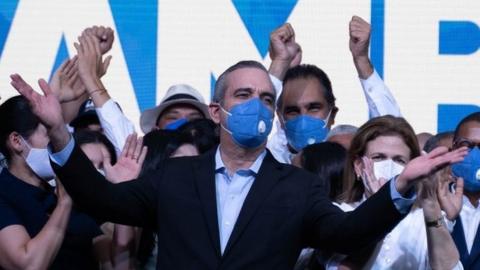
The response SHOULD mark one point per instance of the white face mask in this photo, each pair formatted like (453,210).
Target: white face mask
(39,161)
(387,169)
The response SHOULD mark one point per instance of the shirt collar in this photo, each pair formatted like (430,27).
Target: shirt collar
(468,204)
(220,166)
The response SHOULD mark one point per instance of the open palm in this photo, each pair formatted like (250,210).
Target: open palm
(46,107)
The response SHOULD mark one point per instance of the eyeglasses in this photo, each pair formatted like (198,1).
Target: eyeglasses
(465,143)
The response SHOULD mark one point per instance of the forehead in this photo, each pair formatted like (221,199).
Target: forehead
(180,107)
(388,145)
(470,130)
(253,78)
(303,89)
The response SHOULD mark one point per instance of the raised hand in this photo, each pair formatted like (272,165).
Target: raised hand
(450,202)
(66,83)
(104,35)
(284,51)
(46,108)
(428,164)
(130,162)
(89,60)
(359,37)
(359,31)
(370,181)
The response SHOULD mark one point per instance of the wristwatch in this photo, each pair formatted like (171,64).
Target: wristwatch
(435,223)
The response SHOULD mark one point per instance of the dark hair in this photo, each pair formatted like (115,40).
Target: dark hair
(306,71)
(16,116)
(87,136)
(221,84)
(326,159)
(434,141)
(160,147)
(203,133)
(473,117)
(380,126)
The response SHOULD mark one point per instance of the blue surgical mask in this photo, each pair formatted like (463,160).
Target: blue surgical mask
(249,123)
(176,124)
(304,130)
(469,170)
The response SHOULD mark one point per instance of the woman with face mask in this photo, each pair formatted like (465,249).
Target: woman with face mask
(379,152)
(38,227)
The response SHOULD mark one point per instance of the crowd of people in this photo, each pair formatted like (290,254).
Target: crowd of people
(208,186)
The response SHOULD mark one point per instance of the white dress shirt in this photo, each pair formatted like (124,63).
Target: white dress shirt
(470,216)
(231,190)
(116,126)
(405,247)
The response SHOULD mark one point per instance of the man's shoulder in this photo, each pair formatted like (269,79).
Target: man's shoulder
(292,172)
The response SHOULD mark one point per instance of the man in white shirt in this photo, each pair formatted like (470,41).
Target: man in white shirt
(307,95)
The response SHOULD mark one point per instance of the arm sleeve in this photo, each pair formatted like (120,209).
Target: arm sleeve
(329,228)
(115,125)
(131,203)
(7,214)
(403,204)
(277,141)
(379,98)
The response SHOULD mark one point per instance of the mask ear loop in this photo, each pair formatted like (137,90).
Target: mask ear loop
(328,117)
(229,114)
(26,143)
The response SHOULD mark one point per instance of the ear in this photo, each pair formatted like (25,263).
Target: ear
(331,120)
(358,166)
(214,110)
(15,142)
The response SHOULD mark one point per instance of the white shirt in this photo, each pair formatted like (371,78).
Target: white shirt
(116,126)
(470,217)
(231,191)
(405,247)
(379,99)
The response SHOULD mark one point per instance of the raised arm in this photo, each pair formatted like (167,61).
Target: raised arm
(94,42)
(334,230)
(131,203)
(379,98)
(285,53)
(442,252)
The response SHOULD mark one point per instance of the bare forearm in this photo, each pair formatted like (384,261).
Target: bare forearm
(59,137)
(97,91)
(70,109)
(364,66)
(41,250)
(442,251)
(278,68)
(123,246)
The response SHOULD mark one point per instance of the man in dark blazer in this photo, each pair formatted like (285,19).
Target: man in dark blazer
(465,232)
(235,207)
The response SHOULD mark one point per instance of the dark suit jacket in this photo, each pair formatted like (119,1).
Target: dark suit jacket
(469,260)
(285,210)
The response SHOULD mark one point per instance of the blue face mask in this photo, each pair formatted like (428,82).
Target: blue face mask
(304,130)
(469,170)
(249,123)
(176,124)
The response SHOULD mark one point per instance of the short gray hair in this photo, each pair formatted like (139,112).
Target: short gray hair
(342,130)
(221,84)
